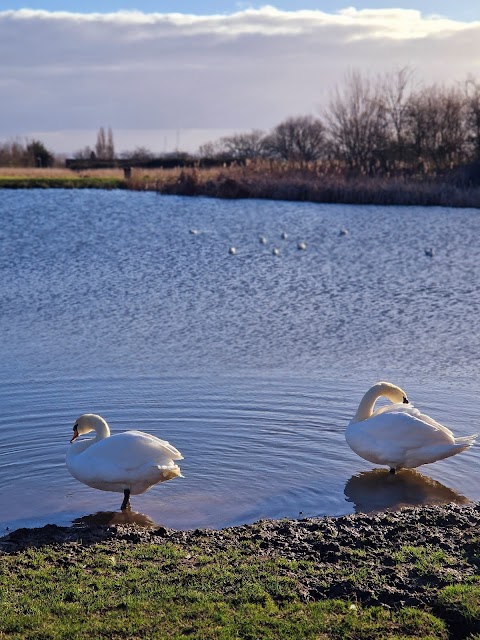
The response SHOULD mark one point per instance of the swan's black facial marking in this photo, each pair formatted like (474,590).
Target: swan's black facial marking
(75,432)
(405,400)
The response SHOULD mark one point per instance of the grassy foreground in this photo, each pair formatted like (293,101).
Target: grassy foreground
(164,591)
(412,574)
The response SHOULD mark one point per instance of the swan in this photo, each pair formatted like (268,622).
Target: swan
(130,462)
(398,435)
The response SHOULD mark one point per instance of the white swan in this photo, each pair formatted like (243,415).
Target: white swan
(130,462)
(398,435)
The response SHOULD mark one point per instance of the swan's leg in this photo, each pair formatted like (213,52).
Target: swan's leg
(393,470)
(126,499)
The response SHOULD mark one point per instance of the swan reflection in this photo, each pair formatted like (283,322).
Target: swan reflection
(107,518)
(379,490)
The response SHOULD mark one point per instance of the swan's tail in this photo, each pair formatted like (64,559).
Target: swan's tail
(465,442)
(168,473)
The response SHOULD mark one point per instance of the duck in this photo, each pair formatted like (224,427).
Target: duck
(232,251)
(399,435)
(129,462)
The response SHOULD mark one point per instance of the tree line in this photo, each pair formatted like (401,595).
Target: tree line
(384,126)
(31,153)
(387,125)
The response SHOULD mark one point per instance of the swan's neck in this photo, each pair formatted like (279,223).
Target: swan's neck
(365,408)
(102,430)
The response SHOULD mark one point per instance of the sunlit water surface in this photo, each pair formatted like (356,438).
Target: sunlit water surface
(251,364)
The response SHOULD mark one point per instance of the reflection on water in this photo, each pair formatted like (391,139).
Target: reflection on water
(380,490)
(108,518)
(252,365)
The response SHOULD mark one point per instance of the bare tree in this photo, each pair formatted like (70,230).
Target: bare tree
(395,91)
(87,153)
(212,149)
(357,122)
(31,153)
(138,154)
(101,144)
(12,154)
(472,100)
(244,146)
(300,138)
(110,147)
(437,127)
(104,147)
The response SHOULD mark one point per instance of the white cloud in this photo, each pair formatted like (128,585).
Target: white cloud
(65,71)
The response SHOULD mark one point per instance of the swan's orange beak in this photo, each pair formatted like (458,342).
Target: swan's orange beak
(75,434)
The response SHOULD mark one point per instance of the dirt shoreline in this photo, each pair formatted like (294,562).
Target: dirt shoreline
(359,553)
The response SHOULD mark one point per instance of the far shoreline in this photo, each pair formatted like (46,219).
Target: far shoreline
(243,182)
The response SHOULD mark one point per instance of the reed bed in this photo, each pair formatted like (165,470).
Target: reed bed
(317,184)
(262,179)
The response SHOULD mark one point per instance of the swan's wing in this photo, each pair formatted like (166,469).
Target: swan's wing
(392,437)
(410,410)
(129,451)
(405,429)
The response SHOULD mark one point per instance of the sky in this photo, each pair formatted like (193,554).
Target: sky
(167,74)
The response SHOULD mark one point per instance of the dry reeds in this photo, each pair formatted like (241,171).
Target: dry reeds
(264,179)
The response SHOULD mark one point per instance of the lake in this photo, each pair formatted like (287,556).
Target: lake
(251,364)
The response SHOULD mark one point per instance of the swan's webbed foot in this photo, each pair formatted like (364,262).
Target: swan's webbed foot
(393,471)
(126,499)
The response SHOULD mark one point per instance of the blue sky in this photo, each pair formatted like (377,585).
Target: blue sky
(180,81)
(457,9)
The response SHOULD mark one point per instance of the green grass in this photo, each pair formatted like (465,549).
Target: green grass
(19,182)
(463,598)
(163,591)
(427,560)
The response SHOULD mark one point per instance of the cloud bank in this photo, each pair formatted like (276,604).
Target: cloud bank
(151,72)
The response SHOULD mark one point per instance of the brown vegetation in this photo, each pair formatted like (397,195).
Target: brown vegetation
(313,182)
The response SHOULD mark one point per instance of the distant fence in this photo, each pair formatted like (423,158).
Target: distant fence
(151,163)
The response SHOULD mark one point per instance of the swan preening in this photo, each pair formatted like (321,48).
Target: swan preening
(130,462)
(398,435)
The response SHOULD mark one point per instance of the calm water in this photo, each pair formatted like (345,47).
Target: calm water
(252,364)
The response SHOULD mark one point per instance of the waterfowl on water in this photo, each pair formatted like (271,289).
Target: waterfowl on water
(130,462)
(398,435)
(232,251)
(302,246)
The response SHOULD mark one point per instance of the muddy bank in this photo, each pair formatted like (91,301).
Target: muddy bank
(393,559)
